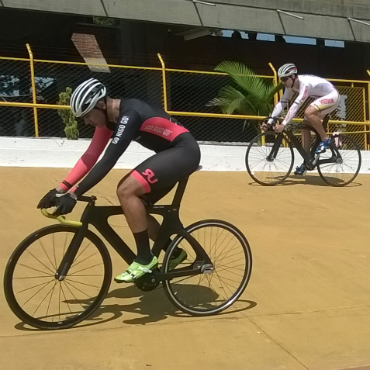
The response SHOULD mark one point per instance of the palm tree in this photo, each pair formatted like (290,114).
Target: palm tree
(247,95)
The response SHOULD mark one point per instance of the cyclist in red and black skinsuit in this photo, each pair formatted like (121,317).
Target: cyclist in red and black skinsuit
(177,155)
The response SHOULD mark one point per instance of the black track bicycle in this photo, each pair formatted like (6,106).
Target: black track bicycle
(270,156)
(60,274)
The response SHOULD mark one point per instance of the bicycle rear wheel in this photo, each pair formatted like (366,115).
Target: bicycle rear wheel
(34,293)
(269,158)
(346,163)
(210,292)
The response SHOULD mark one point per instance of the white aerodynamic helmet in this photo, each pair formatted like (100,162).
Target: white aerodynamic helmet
(287,70)
(86,95)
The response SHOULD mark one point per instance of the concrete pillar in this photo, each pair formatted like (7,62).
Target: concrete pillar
(140,43)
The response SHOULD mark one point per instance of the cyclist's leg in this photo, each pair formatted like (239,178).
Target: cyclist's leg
(306,144)
(306,136)
(316,112)
(153,224)
(156,176)
(313,116)
(150,199)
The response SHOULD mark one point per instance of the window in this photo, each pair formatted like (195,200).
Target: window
(265,37)
(334,43)
(299,40)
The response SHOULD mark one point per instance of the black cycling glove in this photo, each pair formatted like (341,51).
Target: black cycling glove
(65,203)
(48,200)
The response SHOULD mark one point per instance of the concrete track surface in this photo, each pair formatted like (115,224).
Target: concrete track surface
(306,305)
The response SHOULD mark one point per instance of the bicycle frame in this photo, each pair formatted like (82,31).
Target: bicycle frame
(309,158)
(97,216)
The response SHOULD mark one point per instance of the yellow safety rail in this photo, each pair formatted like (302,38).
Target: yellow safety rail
(34,93)
(33,105)
(182,93)
(164,82)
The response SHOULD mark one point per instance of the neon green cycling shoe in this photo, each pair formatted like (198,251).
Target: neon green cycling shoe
(177,259)
(135,271)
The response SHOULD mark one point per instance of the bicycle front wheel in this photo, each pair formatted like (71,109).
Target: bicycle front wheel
(213,291)
(344,161)
(35,294)
(269,158)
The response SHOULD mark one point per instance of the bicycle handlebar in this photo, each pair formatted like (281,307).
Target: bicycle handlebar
(290,125)
(276,119)
(84,198)
(268,126)
(61,219)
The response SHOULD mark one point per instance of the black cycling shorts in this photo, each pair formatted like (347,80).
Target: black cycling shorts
(160,173)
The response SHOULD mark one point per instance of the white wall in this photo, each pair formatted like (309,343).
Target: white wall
(56,152)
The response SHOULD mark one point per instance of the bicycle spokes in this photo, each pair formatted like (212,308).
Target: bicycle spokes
(269,158)
(221,282)
(33,289)
(340,164)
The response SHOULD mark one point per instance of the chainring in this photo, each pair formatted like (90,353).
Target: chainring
(147,282)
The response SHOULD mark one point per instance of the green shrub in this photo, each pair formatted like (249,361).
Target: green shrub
(67,116)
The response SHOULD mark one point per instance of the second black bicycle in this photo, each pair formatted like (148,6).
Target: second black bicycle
(270,157)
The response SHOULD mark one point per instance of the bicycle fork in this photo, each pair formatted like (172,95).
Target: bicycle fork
(275,148)
(70,254)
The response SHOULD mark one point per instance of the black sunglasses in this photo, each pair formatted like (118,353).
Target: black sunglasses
(283,79)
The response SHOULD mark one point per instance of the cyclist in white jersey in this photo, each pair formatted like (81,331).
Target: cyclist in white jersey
(327,100)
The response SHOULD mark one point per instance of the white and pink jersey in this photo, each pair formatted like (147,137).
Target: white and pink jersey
(309,86)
